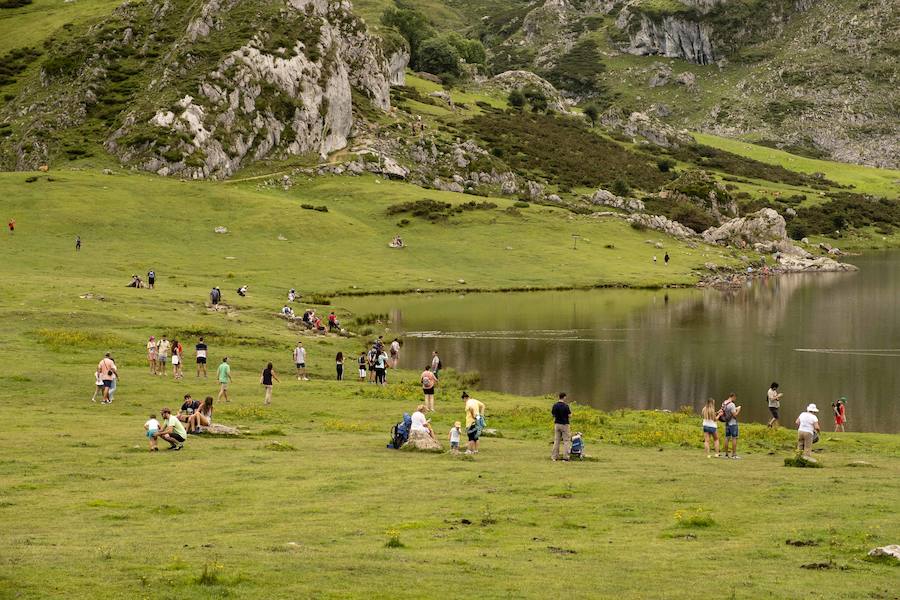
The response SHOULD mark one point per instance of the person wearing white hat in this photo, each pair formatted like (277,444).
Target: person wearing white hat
(807,427)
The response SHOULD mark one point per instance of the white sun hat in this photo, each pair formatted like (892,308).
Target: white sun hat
(812,408)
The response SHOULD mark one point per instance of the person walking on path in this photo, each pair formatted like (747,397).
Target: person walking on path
(395,353)
(339,365)
(266,379)
(666,259)
(436,364)
(561,433)
(300,361)
(172,430)
(710,426)
(807,427)
(474,414)
(840,414)
(152,355)
(730,411)
(429,381)
(201,352)
(774,398)
(107,370)
(77,243)
(151,278)
(224,376)
(215,297)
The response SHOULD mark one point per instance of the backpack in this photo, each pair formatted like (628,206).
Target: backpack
(721,415)
(577,446)
(400,432)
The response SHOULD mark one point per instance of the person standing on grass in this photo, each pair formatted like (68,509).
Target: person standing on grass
(152,428)
(163,353)
(77,243)
(215,297)
(300,361)
(436,364)
(361,365)
(12,226)
(774,398)
(561,433)
(177,351)
(730,412)
(224,376)
(266,379)
(339,365)
(666,259)
(395,353)
(172,430)
(710,426)
(381,363)
(201,351)
(98,385)
(107,370)
(152,355)
(807,427)
(115,382)
(474,414)
(840,414)
(151,278)
(429,382)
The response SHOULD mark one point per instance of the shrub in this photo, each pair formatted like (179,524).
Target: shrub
(665,165)
(521,204)
(438,56)
(516,98)
(413,25)
(620,187)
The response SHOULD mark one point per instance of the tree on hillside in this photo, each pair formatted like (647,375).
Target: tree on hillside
(471,51)
(438,56)
(412,25)
(516,99)
(592,112)
(536,98)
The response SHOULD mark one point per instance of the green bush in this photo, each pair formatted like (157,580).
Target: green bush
(438,56)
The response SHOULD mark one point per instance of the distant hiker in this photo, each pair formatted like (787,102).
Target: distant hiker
(561,412)
(151,278)
(152,356)
(172,430)
(287,311)
(436,364)
(339,365)
(361,365)
(215,297)
(397,242)
(840,414)
(292,295)
(177,351)
(807,428)
(223,374)
(454,437)
(729,413)
(774,398)
(429,381)
(107,370)
(77,243)
(395,353)
(163,355)
(242,291)
(300,361)
(381,363)
(654,258)
(666,258)
(371,359)
(267,379)
(710,426)
(12,226)
(202,417)
(151,427)
(98,385)
(333,324)
(474,421)
(135,282)
(201,350)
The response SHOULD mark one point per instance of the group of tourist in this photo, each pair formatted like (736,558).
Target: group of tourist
(174,429)
(159,353)
(136,281)
(420,425)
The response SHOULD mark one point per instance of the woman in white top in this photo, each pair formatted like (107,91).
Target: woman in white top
(420,423)
(710,426)
(807,426)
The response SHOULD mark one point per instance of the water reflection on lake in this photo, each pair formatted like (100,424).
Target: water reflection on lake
(820,336)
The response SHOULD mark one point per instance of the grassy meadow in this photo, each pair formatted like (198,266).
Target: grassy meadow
(309,503)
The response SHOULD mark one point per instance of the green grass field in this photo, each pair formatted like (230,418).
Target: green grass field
(309,503)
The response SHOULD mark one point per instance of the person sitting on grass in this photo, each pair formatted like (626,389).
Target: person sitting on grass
(202,417)
(187,408)
(172,430)
(287,311)
(152,428)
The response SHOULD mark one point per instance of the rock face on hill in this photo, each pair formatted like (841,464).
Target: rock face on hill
(763,225)
(221,83)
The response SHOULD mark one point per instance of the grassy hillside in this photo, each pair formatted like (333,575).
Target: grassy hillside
(309,503)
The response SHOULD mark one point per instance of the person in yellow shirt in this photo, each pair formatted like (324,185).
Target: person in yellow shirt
(474,410)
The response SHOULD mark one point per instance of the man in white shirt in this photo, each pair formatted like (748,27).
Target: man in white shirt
(395,353)
(300,361)
(807,426)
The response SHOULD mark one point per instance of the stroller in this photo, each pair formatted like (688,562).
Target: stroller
(577,447)
(400,432)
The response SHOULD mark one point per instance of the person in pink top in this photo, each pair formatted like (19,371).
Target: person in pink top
(108,372)
(429,381)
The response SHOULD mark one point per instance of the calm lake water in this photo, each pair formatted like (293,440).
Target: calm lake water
(820,336)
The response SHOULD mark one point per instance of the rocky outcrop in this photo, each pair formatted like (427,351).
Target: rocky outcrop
(397,67)
(661,223)
(421,441)
(822,264)
(670,35)
(516,80)
(646,126)
(607,198)
(764,225)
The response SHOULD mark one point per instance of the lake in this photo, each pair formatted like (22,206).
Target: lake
(819,336)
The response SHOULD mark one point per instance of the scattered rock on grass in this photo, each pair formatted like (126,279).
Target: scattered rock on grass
(557,550)
(799,461)
(221,229)
(892,550)
(801,542)
(421,441)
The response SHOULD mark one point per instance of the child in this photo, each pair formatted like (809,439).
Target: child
(361,363)
(152,428)
(98,386)
(454,438)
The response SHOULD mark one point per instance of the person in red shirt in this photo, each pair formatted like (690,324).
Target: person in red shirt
(840,414)
(12,226)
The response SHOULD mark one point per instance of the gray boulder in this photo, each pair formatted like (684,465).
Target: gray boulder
(607,198)
(765,225)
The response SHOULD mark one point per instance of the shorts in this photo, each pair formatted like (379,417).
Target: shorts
(428,391)
(731,431)
(176,360)
(774,411)
(201,360)
(454,445)
(472,433)
(176,437)
(223,385)
(162,358)
(372,368)
(151,280)
(107,383)
(301,365)
(710,430)
(152,432)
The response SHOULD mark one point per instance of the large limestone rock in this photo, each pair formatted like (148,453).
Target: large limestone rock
(420,440)
(513,80)
(822,264)
(765,225)
(607,198)
(671,36)
(661,223)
